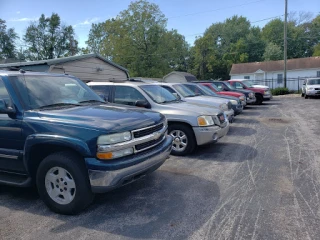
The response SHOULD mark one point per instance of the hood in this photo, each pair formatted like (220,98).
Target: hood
(231,93)
(106,117)
(188,108)
(264,87)
(208,100)
(314,86)
(229,97)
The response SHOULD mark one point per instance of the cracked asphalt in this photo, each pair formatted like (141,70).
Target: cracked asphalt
(262,181)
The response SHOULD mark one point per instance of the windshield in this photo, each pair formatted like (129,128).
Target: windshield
(215,87)
(248,83)
(205,90)
(158,94)
(314,81)
(49,91)
(229,85)
(184,91)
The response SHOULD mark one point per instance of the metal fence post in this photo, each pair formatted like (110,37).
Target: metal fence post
(298,84)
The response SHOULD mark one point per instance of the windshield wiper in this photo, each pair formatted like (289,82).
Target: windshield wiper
(170,101)
(58,105)
(92,101)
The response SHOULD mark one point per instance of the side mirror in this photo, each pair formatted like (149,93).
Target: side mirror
(176,95)
(142,103)
(4,108)
(304,84)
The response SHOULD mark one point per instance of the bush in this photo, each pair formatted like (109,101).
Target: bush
(280,91)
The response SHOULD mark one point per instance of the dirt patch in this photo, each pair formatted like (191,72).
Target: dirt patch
(276,122)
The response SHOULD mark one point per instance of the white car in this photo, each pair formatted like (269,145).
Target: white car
(311,87)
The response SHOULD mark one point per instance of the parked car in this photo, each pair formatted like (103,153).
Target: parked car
(199,89)
(310,87)
(261,92)
(57,133)
(218,91)
(226,87)
(187,95)
(189,124)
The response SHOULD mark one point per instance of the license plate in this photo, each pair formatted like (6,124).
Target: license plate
(221,118)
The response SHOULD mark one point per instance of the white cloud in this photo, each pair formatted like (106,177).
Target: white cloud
(22,19)
(87,22)
(18,12)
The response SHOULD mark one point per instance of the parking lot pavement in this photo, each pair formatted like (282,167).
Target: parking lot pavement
(262,181)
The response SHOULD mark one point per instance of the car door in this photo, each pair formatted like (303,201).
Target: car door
(127,95)
(304,86)
(11,144)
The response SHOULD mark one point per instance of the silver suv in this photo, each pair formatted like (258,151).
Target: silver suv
(311,87)
(187,95)
(189,124)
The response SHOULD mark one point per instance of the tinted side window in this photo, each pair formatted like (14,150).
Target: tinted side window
(102,90)
(3,91)
(127,95)
(219,85)
(238,85)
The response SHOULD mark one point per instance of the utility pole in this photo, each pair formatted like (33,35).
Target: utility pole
(285,42)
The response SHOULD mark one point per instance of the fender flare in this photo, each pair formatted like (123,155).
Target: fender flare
(56,140)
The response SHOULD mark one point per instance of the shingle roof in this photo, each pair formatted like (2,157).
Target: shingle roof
(62,60)
(188,76)
(270,66)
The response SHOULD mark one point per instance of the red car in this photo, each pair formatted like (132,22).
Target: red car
(215,89)
(261,92)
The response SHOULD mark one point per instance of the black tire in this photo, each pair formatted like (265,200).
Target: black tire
(74,165)
(302,95)
(306,96)
(259,99)
(191,140)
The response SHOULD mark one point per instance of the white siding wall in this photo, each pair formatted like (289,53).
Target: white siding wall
(292,74)
(86,69)
(175,78)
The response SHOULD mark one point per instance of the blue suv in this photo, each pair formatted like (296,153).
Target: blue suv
(57,133)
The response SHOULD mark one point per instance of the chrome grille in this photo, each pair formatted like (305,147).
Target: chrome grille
(150,144)
(146,131)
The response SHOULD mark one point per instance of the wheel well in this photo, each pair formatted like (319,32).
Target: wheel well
(39,152)
(181,123)
(259,94)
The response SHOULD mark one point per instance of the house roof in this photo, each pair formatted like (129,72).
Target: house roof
(62,60)
(188,76)
(271,66)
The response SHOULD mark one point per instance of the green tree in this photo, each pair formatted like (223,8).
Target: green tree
(138,40)
(316,52)
(7,41)
(272,52)
(48,38)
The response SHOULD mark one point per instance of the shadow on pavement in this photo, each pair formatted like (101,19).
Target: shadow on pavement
(224,152)
(241,131)
(163,205)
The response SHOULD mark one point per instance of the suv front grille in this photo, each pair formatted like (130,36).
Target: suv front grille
(146,131)
(221,118)
(150,144)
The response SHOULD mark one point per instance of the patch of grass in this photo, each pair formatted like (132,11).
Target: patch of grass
(280,91)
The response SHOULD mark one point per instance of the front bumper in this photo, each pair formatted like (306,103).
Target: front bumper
(251,100)
(313,92)
(267,96)
(230,115)
(205,135)
(237,109)
(146,162)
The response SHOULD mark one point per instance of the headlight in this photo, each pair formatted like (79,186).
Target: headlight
(267,92)
(205,121)
(251,95)
(242,98)
(114,138)
(234,102)
(223,107)
(310,88)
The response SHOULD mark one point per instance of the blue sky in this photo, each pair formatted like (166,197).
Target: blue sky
(189,17)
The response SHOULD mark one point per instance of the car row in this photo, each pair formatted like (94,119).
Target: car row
(310,88)
(72,140)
